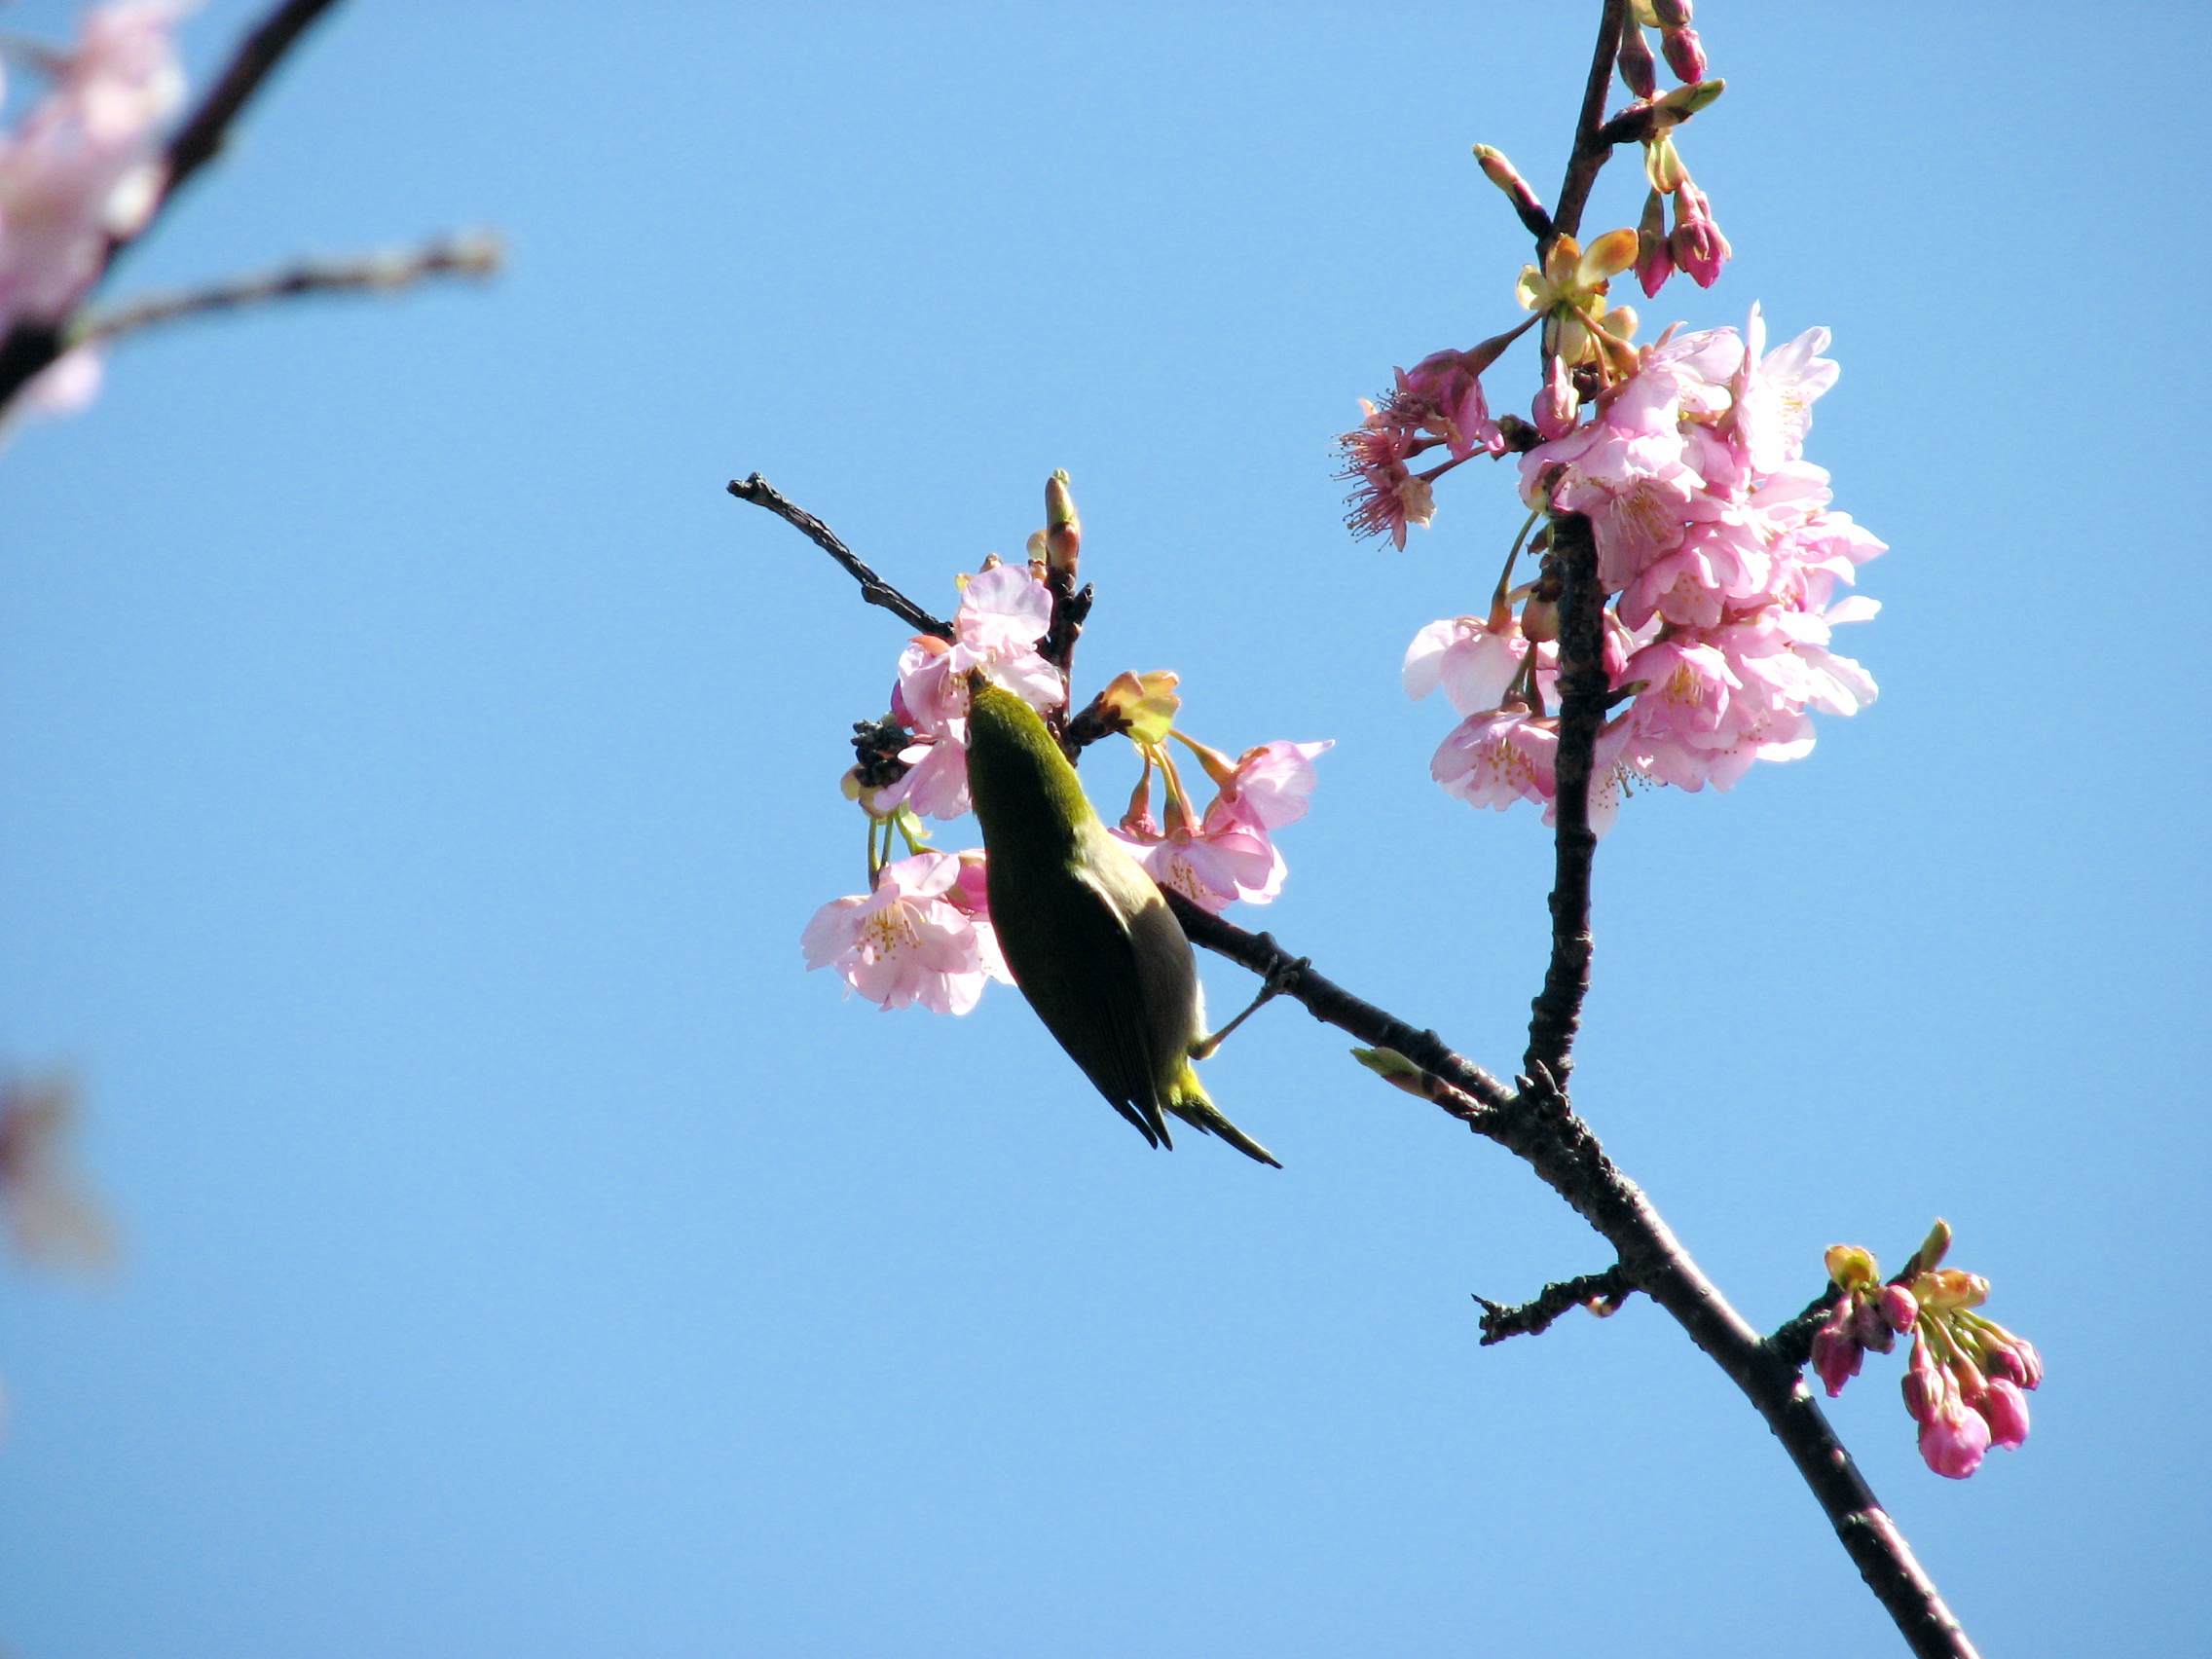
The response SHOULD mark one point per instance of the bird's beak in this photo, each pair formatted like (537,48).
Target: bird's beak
(976,680)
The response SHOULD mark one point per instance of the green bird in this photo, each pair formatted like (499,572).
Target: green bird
(1091,941)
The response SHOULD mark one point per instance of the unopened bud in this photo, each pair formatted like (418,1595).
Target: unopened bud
(1672,14)
(1685,101)
(2005,1413)
(1063,529)
(1868,1325)
(1684,54)
(1639,71)
(1539,621)
(1925,1384)
(1507,177)
(1555,404)
(1933,1248)
(1654,260)
(1394,1069)
(1948,1288)
(1663,165)
(1899,1307)
(1138,821)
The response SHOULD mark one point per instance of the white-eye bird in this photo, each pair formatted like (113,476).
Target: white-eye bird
(1088,937)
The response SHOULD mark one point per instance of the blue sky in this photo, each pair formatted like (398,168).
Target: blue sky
(419,773)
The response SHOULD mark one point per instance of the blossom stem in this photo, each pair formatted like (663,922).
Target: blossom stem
(1512,556)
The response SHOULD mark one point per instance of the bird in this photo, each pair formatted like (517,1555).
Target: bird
(1087,934)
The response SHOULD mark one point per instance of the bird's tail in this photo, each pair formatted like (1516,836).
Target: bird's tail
(1188,1101)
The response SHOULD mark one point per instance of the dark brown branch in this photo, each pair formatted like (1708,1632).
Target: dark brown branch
(31,348)
(759,493)
(1791,1342)
(1557,1012)
(202,136)
(1590,150)
(1536,1123)
(1532,1318)
(473,256)
(1329,1001)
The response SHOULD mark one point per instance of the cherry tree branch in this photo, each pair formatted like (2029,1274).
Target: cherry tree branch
(758,491)
(1531,1318)
(1591,147)
(471,256)
(31,348)
(1536,1123)
(1557,1012)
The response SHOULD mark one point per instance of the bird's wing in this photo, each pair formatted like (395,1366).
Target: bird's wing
(1081,974)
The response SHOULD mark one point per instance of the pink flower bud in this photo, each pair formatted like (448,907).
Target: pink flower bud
(1697,244)
(1836,1352)
(1899,1307)
(1684,54)
(1948,1288)
(1063,529)
(1873,1327)
(1953,1441)
(1555,404)
(2029,1362)
(971,892)
(1639,71)
(2005,1411)
(1926,1384)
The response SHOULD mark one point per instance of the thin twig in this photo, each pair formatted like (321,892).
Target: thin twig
(759,493)
(1502,1321)
(474,256)
(31,348)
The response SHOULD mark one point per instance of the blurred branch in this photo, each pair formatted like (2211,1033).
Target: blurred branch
(475,256)
(31,348)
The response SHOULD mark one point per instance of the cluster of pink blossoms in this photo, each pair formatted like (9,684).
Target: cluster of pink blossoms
(1966,1383)
(1721,557)
(81,168)
(922,933)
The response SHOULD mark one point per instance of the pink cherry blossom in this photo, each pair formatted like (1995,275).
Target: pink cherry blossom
(82,165)
(1271,784)
(1472,659)
(1442,395)
(1625,471)
(1496,759)
(919,937)
(1386,496)
(1775,393)
(1004,612)
(1221,861)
